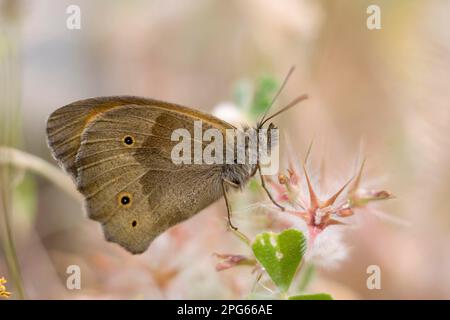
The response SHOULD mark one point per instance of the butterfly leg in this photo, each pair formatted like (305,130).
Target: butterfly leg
(227,203)
(263,184)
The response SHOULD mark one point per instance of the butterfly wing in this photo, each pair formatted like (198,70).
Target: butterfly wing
(122,165)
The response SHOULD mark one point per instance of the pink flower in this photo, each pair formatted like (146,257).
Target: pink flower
(319,214)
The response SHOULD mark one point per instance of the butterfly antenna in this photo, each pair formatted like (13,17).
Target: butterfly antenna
(290,105)
(291,70)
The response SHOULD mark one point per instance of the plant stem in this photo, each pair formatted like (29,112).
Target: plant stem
(10,157)
(8,241)
(10,93)
(23,160)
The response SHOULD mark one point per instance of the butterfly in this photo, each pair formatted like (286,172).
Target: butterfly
(118,151)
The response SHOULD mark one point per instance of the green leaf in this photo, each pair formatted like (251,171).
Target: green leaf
(265,91)
(243,94)
(316,296)
(280,255)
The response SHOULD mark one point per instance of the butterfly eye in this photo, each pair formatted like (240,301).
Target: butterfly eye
(124,199)
(128,140)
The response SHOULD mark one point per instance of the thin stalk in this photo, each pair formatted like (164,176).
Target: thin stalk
(26,161)
(9,247)
(10,93)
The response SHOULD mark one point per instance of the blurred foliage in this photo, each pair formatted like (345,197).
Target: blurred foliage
(255,101)
(264,94)
(25,197)
(316,296)
(11,135)
(307,275)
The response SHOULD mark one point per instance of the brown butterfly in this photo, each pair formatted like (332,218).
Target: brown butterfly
(118,150)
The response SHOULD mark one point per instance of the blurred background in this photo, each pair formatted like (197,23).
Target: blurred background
(388,88)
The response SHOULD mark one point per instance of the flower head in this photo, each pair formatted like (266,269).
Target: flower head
(319,214)
(3,292)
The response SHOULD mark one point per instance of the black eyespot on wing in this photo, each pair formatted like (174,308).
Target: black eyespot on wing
(134,223)
(128,140)
(124,199)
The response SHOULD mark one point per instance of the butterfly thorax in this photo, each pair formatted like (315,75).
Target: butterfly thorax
(238,174)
